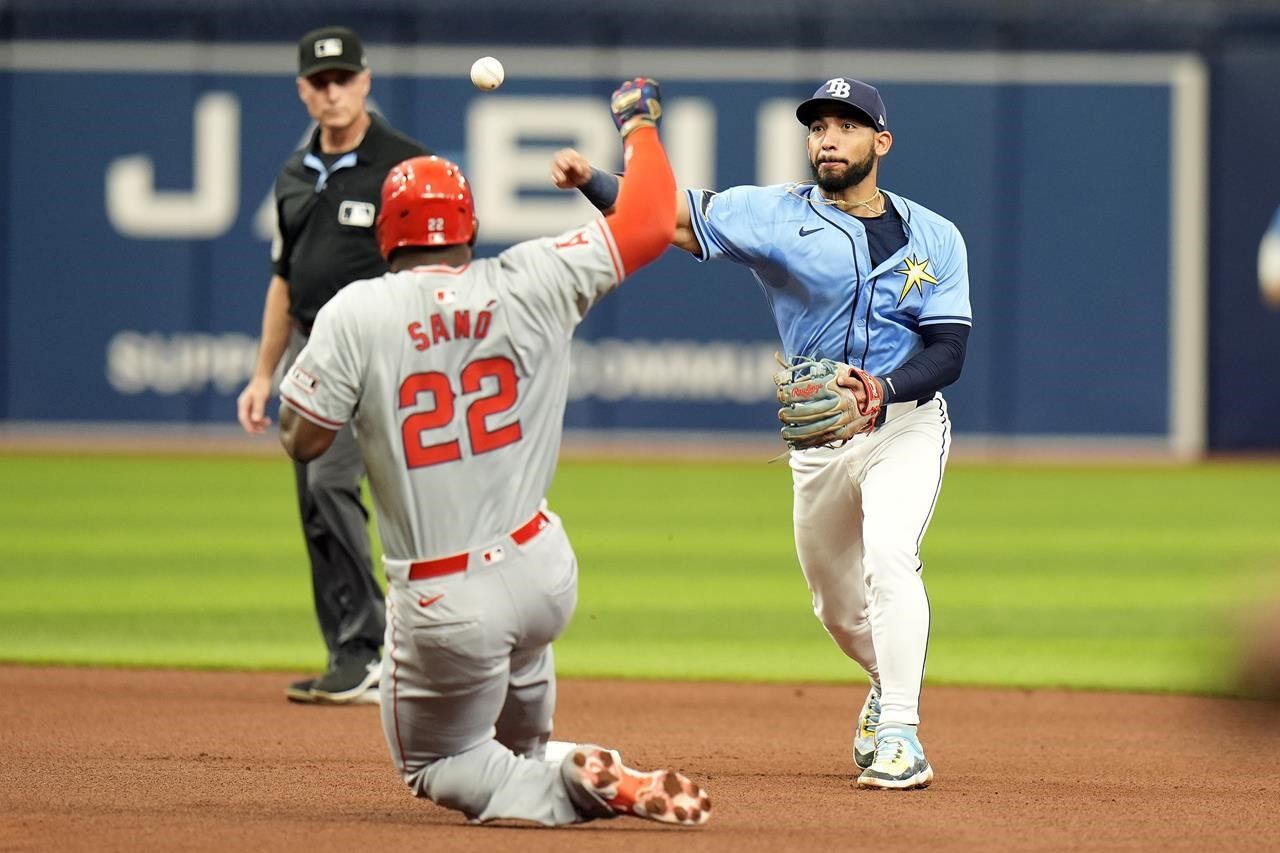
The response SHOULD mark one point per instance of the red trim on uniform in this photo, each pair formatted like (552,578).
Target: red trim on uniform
(435,568)
(442,268)
(395,683)
(618,271)
(530,528)
(458,562)
(312,416)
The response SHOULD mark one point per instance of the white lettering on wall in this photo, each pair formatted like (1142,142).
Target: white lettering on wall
(137,209)
(780,149)
(689,135)
(182,363)
(606,369)
(264,221)
(610,369)
(510,142)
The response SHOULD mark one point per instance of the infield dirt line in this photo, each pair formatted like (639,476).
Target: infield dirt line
(166,760)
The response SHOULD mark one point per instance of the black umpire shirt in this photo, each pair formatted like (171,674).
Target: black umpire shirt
(326,206)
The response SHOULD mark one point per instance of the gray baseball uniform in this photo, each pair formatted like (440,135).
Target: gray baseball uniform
(455,380)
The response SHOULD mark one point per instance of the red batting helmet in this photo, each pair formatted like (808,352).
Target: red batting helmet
(426,201)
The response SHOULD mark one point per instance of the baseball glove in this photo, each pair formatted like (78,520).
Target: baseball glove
(817,411)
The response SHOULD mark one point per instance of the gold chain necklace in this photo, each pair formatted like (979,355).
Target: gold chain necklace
(866,202)
(839,203)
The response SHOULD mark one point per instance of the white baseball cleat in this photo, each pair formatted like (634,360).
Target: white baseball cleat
(557,750)
(899,763)
(864,737)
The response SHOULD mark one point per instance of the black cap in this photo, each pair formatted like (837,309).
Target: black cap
(845,92)
(328,48)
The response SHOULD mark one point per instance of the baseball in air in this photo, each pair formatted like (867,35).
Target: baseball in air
(1269,265)
(487,73)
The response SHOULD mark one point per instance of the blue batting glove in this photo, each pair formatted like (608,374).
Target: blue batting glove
(636,103)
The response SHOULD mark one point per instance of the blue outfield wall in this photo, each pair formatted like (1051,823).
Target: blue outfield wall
(1244,333)
(1060,180)
(1109,292)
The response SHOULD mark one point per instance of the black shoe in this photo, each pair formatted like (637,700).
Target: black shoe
(300,691)
(348,680)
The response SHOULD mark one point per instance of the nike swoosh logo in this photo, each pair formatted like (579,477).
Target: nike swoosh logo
(427,602)
(804,233)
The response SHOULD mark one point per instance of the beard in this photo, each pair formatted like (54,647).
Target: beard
(853,175)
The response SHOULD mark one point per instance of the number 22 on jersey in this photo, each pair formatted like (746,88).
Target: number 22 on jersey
(418,453)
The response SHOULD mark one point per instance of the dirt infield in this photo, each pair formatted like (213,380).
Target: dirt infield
(143,760)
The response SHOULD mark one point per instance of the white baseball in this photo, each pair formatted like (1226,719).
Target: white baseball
(1269,268)
(487,73)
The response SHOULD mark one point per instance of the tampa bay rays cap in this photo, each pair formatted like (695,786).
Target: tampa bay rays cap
(846,92)
(328,48)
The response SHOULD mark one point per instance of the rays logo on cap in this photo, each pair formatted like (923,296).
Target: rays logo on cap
(838,87)
(328,47)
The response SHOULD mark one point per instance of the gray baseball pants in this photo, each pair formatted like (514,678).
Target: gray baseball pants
(469,686)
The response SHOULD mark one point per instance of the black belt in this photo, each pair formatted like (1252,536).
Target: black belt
(884,410)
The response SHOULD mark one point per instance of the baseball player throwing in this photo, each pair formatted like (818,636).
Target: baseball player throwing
(455,374)
(870,292)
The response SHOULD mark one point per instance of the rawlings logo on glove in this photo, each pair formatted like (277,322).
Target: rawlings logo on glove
(819,409)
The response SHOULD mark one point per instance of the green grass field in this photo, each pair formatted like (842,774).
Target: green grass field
(1101,577)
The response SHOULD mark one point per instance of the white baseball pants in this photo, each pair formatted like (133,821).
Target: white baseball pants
(861,511)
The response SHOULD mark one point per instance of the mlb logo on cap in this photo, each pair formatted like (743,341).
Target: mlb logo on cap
(842,93)
(330,48)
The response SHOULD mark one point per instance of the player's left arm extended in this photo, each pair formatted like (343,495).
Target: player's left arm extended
(928,371)
(569,169)
(302,439)
(644,217)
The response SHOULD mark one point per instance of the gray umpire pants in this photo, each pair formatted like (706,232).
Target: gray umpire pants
(349,604)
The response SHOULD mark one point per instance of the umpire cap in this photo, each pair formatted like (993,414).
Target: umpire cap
(845,92)
(328,48)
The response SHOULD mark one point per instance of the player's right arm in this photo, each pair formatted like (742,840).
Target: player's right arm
(251,407)
(643,220)
(320,390)
(684,238)
(734,224)
(570,170)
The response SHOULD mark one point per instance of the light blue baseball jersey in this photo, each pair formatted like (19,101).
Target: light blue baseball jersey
(813,263)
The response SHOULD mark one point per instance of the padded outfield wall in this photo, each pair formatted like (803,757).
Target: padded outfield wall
(136,171)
